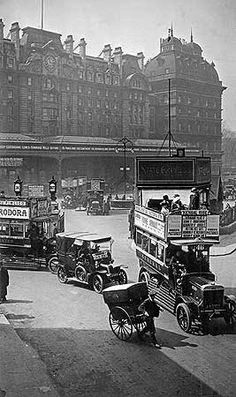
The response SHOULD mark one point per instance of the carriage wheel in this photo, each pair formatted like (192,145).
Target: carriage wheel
(139,326)
(120,323)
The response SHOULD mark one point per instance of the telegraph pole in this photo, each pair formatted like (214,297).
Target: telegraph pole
(42,14)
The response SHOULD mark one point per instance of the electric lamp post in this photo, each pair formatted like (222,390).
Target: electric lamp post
(18,187)
(127,143)
(53,188)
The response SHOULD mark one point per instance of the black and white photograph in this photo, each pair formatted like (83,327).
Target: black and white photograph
(117,198)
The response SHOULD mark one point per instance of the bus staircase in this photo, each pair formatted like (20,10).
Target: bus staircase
(164,296)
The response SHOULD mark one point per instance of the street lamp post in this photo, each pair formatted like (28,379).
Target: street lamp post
(125,142)
(18,187)
(53,188)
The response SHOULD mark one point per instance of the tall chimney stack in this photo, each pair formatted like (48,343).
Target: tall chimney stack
(15,37)
(1,29)
(82,48)
(140,57)
(69,44)
(107,53)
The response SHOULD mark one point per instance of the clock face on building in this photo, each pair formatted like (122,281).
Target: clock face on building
(50,62)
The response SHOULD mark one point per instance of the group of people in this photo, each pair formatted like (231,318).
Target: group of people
(175,205)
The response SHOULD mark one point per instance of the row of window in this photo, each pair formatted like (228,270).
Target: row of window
(150,245)
(187,100)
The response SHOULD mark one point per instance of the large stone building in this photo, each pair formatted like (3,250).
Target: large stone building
(195,91)
(64,112)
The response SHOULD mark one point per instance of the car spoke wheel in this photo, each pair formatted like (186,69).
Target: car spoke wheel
(61,274)
(120,323)
(183,317)
(123,279)
(98,283)
(81,274)
(53,264)
(230,315)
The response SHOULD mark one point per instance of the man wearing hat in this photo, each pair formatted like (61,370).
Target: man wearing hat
(150,309)
(177,204)
(4,282)
(194,199)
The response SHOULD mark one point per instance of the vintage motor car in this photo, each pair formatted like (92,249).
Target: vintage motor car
(95,208)
(88,258)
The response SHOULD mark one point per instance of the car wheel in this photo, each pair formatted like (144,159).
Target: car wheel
(123,278)
(98,283)
(62,276)
(144,277)
(183,317)
(53,264)
(230,315)
(81,274)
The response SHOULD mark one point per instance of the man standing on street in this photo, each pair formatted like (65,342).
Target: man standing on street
(4,282)
(150,309)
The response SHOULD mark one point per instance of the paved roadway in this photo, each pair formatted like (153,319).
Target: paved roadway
(68,327)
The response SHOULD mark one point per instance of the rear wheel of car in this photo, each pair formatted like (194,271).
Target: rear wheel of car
(80,273)
(123,278)
(144,277)
(98,283)
(183,317)
(53,264)
(62,276)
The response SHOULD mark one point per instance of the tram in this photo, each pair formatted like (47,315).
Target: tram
(27,229)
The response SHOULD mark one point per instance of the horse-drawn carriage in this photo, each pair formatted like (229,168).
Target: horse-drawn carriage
(123,302)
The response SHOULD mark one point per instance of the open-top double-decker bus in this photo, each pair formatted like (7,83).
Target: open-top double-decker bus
(173,246)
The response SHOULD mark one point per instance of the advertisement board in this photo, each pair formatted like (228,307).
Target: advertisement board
(174,171)
(14,212)
(151,224)
(193,224)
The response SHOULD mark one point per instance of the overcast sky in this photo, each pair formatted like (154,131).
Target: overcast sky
(138,25)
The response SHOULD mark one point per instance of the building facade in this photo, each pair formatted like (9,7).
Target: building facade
(64,112)
(180,72)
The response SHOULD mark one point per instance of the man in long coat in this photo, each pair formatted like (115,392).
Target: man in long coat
(4,282)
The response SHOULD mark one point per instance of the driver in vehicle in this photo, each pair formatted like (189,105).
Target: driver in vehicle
(85,255)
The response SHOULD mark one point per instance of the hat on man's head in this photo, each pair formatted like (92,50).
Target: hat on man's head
(176,198)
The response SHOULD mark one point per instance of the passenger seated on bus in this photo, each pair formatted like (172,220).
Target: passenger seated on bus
(194,199)
(164,208)
(177,204)
(167,200)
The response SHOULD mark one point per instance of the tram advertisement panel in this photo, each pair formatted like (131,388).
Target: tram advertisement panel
(150,222)
(14,209)
(173,171)
(193,224)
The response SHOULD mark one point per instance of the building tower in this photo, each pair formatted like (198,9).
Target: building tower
(195,96)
